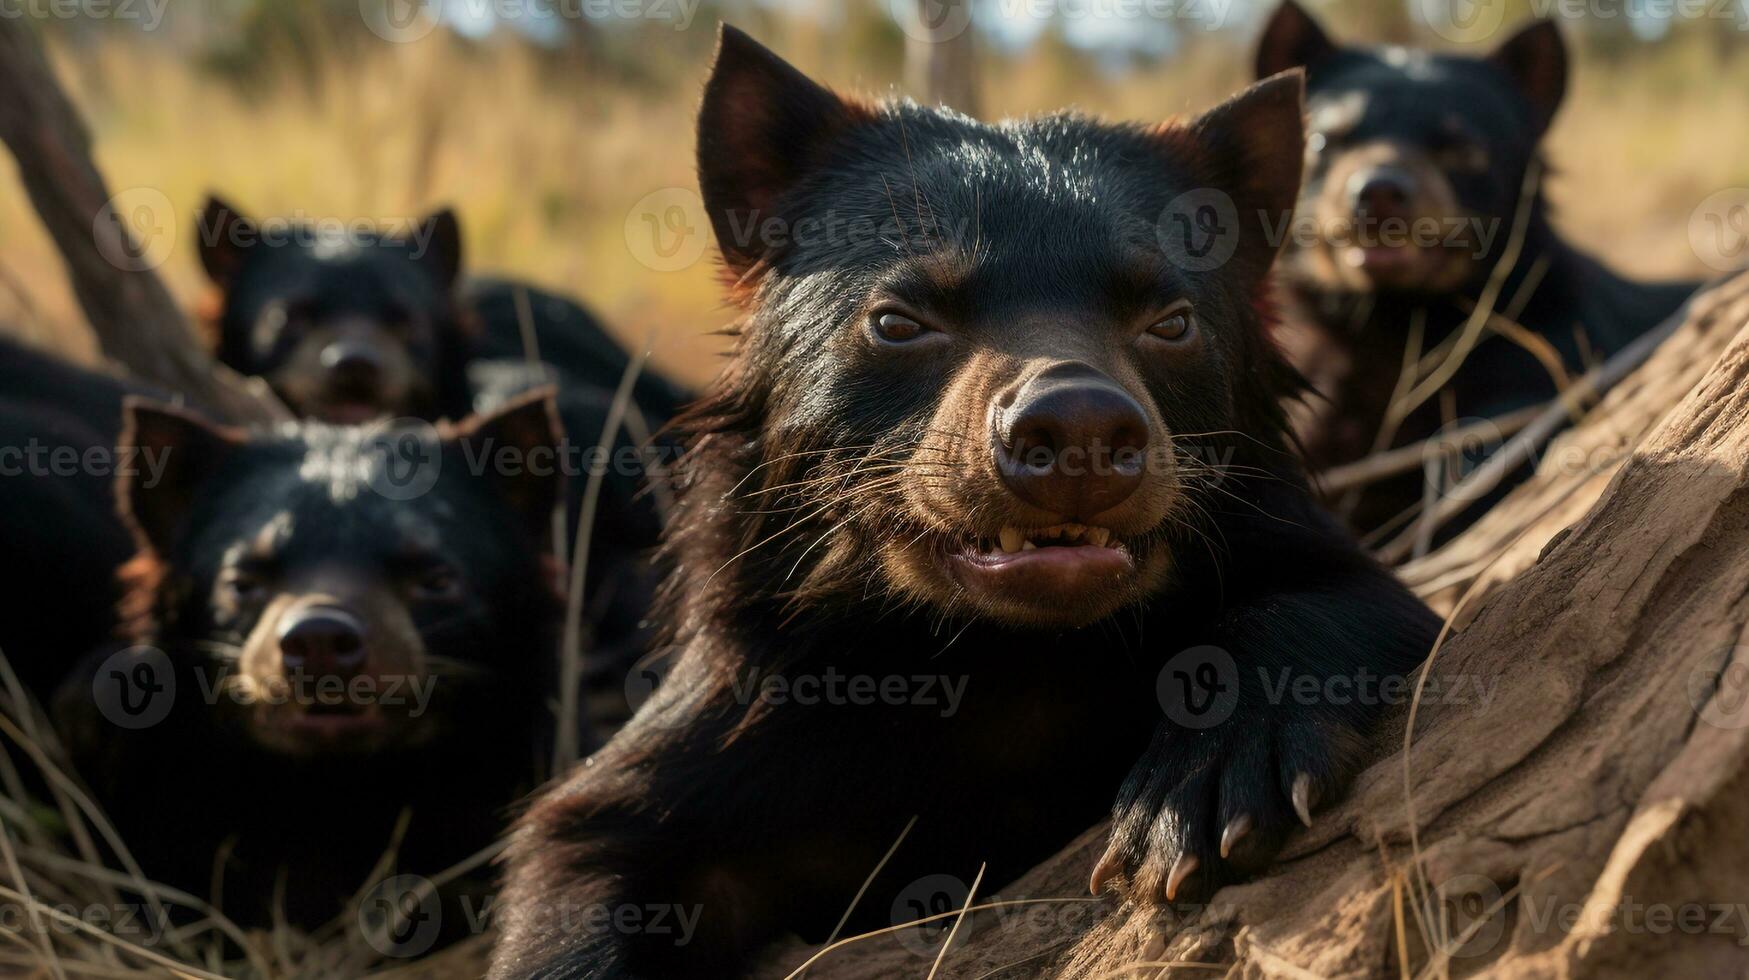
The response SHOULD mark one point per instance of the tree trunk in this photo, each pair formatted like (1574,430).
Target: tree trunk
(1578,772)
(136,321)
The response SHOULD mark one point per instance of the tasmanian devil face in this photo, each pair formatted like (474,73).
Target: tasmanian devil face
(344,590)
(1414,161)
(979,373)
(346,326)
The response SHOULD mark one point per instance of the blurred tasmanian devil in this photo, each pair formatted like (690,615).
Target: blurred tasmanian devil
(349,324)
(1416,210)
(335,624)
(980,423)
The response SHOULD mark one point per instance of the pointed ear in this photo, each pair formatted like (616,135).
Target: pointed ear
(1291,39)
(173,452)
(1536,60)
(761,127)
(224,236)
(436,245)
(520,443)
(1252,148)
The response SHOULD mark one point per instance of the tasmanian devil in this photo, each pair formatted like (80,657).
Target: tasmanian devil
(983,420)
(1422,202)
(329,626)
(58,526)
(348,324)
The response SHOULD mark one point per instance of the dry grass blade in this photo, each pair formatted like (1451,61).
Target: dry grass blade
(566,749)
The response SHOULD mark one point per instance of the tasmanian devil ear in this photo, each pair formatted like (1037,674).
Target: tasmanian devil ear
(761,127)
(1536,60)
(224,236)
(436,244)
(171,453)
(520,443)
(1291,39)
(1251,149)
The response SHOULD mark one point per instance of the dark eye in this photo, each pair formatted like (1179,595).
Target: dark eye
(896,328)
(243,585)
(434,582)
(1175,326)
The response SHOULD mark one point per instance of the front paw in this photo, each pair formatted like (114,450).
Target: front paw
(1203,808)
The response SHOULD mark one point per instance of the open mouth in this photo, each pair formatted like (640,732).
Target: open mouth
(1043,564)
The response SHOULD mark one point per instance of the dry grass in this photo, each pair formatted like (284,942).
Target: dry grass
(545,177)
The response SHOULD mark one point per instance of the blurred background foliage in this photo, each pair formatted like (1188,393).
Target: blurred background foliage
(546,122)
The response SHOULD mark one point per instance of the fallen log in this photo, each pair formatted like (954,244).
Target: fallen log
(1567,796)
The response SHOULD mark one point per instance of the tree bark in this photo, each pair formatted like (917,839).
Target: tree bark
(137,323)
(1577,768)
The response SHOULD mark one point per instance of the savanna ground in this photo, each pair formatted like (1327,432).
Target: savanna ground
(571,166)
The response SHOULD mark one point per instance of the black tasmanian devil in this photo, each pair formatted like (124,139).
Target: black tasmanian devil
(1423,201)
(980,422)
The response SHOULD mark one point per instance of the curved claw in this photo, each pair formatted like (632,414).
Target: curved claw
(1237,828)
(1109,864)
(1183,868)
(1302,797)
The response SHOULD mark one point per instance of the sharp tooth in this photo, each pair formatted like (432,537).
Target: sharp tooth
(1048,532)
(1073,531)
(1098,536)
(1028,546)
(1012,539)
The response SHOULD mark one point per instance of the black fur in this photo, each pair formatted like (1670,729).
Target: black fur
(1031,239)
(1473,127)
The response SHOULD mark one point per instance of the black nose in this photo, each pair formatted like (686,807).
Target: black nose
(353,366)
(1072,441)
(1382,193)
(322,641)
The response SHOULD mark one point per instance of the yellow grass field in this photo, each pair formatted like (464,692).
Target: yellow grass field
(548,175)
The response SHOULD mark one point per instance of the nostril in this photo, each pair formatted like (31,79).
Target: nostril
(1072,442)
(322,640)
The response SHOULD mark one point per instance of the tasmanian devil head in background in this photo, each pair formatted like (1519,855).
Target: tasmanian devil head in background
(343,622)
(345,324)
(992,419)
(1415,161)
